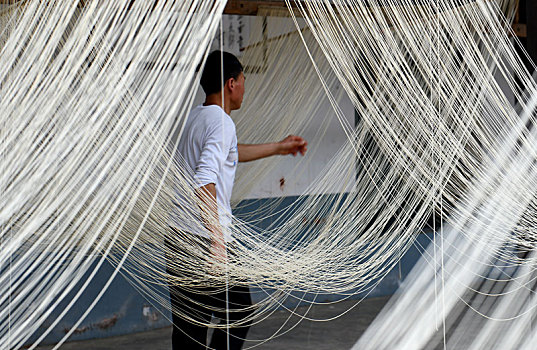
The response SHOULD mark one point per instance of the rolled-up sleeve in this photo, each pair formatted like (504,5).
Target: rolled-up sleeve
(214,153)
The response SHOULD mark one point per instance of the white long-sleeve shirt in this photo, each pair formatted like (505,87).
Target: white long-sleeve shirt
(208,146)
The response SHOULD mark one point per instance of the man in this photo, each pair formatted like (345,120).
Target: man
(209,148)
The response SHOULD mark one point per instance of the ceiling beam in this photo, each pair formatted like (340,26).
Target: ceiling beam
(531,30)
(251,7)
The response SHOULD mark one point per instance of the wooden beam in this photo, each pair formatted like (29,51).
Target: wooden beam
(251,7)
(531,30)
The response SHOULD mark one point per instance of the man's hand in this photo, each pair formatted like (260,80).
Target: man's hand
(292,144)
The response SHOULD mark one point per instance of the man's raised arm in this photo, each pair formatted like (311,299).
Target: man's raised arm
(290,145)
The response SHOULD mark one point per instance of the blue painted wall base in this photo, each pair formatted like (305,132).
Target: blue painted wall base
(123,310)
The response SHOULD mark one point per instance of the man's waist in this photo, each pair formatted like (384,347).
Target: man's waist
(202,231)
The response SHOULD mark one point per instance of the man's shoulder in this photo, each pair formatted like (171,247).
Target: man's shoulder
(210,115)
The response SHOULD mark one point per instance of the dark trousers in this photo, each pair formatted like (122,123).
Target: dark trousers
(199,304)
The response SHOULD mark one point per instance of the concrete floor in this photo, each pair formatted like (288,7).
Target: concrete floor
(340,333)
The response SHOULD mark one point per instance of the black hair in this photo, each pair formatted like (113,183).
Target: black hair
(211,78)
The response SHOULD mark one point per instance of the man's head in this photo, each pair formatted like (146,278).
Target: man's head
(231,79)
